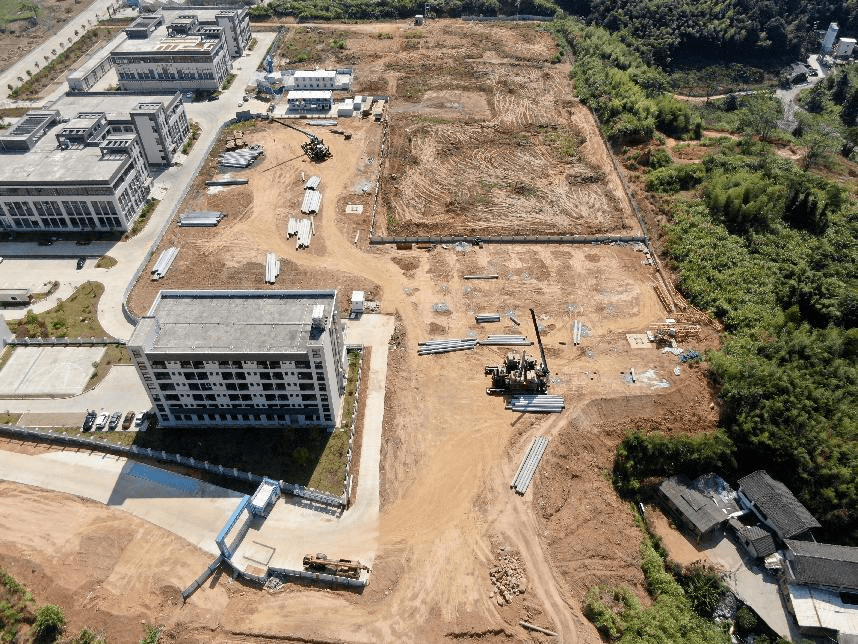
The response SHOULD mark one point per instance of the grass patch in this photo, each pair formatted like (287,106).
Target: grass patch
(351,389)
(227,82)
(9,419)
(143,217)
(310,45)
(15,610)
(331,466)
(11,113)
(252,44)
(113,354)
(563,141)
(14,10)
(72,318)
(33,86)
(5,355)
(106,261)
(192,137)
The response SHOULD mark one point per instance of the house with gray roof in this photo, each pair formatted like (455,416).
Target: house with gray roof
(756,541)
(696,505)
(775,506)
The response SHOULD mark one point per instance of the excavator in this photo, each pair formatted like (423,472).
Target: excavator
(315,148)
(520,374)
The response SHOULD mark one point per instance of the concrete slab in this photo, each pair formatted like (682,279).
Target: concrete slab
(34,371)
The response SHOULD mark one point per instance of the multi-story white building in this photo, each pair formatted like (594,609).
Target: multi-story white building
(242,358)
(82,164)
(181,48)
(334,80)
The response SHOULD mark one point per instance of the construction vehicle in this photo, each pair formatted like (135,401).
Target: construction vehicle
(520,374)
(669,333)
(338,567)
(315,148)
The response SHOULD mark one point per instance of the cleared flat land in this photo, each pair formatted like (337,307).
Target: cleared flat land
(449,450)
(48,370)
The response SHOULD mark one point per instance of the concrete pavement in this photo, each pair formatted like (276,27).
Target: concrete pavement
(192,509)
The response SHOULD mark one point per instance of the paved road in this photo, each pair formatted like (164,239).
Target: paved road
(192,509)
(170,185)
(89,17)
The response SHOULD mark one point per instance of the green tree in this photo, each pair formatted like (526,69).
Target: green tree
(760,115)
(821,136)
(49,621)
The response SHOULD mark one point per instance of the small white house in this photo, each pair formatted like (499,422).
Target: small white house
(357,302)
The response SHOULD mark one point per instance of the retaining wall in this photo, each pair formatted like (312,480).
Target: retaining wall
(542,239)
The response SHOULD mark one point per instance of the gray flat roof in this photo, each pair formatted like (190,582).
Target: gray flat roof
(114,106)
(232,321)
(47,163)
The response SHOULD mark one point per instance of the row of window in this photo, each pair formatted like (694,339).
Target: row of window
(77,223)
(226,417)
(245,386)
(237,375)
(287,399)
(246,365)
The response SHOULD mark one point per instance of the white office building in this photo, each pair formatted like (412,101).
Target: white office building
(242,358)
(180,49)
(318,79)
(82,164)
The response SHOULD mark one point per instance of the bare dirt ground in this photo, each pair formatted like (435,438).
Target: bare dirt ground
(449,451)
(19,37)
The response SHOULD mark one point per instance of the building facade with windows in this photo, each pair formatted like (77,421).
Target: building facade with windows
(82,164)
(309,101)
(180,49)
(242,358)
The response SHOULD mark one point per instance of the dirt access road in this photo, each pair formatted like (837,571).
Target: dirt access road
(449,451)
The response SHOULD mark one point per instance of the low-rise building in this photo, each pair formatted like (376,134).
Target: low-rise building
(702,505)
(82,164)
(242,358)
(775,506)
(310,101)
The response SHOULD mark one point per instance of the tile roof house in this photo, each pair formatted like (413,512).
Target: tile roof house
(823,565)
(700,513)
(775,505)
(758,542)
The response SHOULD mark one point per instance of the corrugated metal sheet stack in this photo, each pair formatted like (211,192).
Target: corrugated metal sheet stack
(241,158)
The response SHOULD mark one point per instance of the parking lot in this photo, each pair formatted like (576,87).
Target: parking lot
(34,371)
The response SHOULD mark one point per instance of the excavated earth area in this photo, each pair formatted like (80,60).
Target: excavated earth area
(460,555)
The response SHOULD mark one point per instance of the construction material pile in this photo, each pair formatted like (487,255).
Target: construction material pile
(200,219)
(241,158)
(507,578)
(272,268)
(431,347)
(312,202)
(304,230)
(506,341)
(313,182)
(537,403)
(483,318)
(164,261)
(528,466)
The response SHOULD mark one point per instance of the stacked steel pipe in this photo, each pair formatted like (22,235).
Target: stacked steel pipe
(528,466)
(507,341)
(537,403)
(432,347)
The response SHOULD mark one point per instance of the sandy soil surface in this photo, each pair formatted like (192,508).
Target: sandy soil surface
(449,451)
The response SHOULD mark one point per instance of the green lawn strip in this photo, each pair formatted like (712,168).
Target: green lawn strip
(351,389)
(142,218)
(33,86)
(192,137)
(15,609)
(106,262)
(15,10)
(9,419)
(73,318)
(6,354)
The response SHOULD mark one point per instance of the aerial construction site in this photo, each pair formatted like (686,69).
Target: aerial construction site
(480,139)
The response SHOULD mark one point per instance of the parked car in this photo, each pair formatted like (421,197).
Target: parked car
(89,420)
(100,422)
(115,417)
(129,418)
(80,262)
(141,421)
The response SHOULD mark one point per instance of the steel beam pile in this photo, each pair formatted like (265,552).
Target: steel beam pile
(312,201)
(506,341)
(312,183)
(528,466)
(292,228)
(205,218)
(432,347)
(537,404)
(272,268)
(164,261)
(576,332)
(241,158)
(305,233)
(483,318)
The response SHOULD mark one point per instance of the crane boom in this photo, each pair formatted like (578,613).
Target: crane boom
(545,370)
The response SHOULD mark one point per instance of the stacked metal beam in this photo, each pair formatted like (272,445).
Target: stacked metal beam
(272,268)
(483,318)
(322,122)
(292,227)
(576,332)
(205,218)
(431,347)
(305,233)
(536,403)
(241,158)
(528,466)
(313,183)
(506,341)
(164,261)
(312,201)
